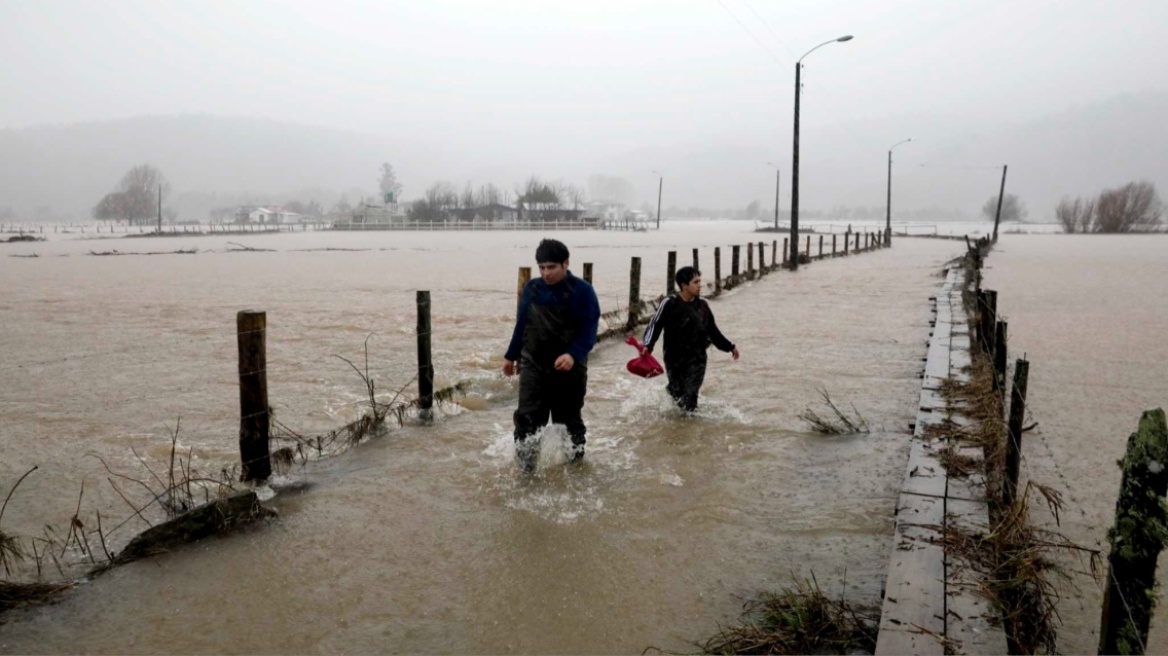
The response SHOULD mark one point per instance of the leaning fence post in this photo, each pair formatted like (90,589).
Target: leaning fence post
(1000,354)
(1136,539)
(734,266)
(671,270)
(634,293)
(717,269)
(1014,434)
(588,272)
(425,361)
(254,422)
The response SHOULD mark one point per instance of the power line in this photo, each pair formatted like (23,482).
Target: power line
(768,27)
(747,30)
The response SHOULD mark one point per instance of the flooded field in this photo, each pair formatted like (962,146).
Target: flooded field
(1089,313)
(428,539)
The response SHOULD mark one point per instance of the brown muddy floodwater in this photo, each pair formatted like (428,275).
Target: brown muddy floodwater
(1089,312)
(427,539)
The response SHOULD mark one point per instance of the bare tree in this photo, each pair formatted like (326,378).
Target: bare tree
(136,198)
(1134,207)
(1076,215)
(1012,208)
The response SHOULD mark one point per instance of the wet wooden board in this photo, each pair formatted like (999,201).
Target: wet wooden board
(915,589)
(924,476)
(968,625)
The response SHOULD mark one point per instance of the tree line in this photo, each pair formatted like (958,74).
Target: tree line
(1134,207)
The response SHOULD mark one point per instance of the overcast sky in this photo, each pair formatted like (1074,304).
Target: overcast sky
(583,79)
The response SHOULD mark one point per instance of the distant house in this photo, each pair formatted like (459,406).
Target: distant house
(266,214)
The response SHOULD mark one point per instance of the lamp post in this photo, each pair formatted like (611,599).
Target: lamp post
(795,157)
(660,185)
(888,210)
(777,178)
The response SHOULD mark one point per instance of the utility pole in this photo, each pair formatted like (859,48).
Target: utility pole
(778,178)
(160,209)
(660,185)
(1001,194)
(794,255)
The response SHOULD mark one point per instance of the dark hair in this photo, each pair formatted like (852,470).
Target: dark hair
(685,274)
(551,250)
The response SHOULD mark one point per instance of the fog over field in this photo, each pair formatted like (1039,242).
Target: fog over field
(305,101)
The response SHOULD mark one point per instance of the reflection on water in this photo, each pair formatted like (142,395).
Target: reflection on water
(429,539)
(1089,314)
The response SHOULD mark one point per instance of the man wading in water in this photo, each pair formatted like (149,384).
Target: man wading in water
(554,331)
(689,328)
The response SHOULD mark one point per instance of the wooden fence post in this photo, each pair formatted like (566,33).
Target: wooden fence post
(717,269)
(989,314)
(1014,433)
(786,252)
(808,249)
(847,240)
(749,261)
(734,266)
(761,263)
(588,272)
(821,247)
(524,278)
(254,420)
(695,259)
(671,270)
(833,244)
(1000,354)
(1136,539)
(425,360)
(774,252)
(634,293)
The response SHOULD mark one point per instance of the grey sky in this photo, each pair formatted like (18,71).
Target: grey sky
(547,81)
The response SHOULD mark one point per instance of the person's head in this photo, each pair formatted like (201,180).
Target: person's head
(552,257)
(689,281)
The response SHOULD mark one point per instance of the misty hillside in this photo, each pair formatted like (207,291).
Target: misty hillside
(62,171)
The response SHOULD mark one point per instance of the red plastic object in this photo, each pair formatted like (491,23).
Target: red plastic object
(645,366)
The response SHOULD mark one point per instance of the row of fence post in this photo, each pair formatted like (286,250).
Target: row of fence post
(1138,533)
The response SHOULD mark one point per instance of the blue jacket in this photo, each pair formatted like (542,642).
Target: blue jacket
(553,320)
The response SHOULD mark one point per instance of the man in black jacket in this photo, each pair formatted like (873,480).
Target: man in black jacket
(689,327)
(555,329)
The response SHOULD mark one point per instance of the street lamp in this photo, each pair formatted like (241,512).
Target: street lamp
(888,220)
(660,184)
(777,174)
(795,157)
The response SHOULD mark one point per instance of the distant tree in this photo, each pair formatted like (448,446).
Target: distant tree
(753,209)
(436,204)
(340,207)
(388,183)
(1075,215)
(1134,207)
(136,198)
(610,189)
(1012,208)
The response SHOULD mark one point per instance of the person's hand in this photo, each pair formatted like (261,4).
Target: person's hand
(644,352)
(508,367)
(734,353)
(565,362)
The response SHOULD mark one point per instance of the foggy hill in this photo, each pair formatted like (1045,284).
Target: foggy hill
(59,171)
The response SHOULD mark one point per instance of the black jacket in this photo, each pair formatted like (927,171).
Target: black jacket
(689,329)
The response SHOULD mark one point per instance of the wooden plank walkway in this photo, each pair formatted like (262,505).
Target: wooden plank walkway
(931,604)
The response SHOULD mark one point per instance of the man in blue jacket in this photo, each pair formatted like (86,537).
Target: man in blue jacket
(690,329)
(555,330)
